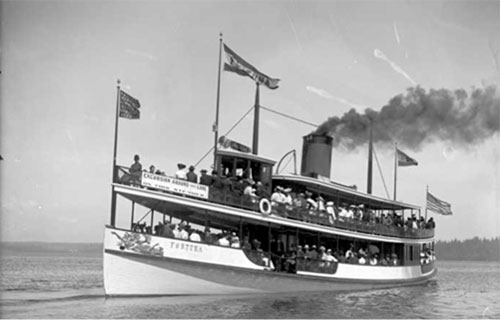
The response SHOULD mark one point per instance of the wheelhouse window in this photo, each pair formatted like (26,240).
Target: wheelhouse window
(245,168)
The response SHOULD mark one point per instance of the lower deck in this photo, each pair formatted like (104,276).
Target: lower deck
(140,264)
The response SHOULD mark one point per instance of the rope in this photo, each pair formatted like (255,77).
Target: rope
(380,171)
(239,121)
(227,133)
(287,116)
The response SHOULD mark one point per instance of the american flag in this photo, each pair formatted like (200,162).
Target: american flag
(438,206)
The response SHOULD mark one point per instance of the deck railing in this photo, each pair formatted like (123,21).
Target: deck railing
(233,197)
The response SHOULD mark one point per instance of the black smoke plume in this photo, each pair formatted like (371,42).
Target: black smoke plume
(419,117)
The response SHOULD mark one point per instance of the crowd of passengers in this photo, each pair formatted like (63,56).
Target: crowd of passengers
(184,231)
(133,177)
(284,200)
(298,257)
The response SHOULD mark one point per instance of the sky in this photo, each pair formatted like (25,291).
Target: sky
(60,61)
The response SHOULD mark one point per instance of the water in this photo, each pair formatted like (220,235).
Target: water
(70,286)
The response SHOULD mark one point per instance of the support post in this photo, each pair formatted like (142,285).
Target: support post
(426,193)
(133,213)
(216,125)
(395,167)
(152,221)
(113,193)
(370,161)
(255,145)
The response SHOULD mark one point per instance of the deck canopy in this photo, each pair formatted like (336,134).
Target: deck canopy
(339,193)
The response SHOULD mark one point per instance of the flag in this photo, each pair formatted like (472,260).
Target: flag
(438,206)
(129,106)
(405,160)
(238,65)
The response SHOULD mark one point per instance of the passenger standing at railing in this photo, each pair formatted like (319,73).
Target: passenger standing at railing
(342,213)
(181,173)
(300,252)
(193,234)
(235,240)
(408,223)
(152,169)
(288,200)
(329,258)
(350,212)
(430,223)
(135,172)
(191,175)
(320,201)
(311,203)
(421,223)
(168,230)
(299,201)
(183,234)
(276,196)
(313,254)
(205,179)
(331,212)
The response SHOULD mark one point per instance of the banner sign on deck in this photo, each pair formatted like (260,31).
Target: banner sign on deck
(171,184)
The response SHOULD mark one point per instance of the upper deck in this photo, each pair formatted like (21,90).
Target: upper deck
(230,192)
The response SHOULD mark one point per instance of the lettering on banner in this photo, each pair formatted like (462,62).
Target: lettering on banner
(171,184)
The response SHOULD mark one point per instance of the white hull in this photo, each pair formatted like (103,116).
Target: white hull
(163,266)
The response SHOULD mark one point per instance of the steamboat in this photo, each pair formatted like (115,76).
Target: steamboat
(248,229)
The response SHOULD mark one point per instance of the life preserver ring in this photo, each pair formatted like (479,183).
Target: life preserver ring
(265,206)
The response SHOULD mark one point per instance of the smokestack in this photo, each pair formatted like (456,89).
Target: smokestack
(316,155)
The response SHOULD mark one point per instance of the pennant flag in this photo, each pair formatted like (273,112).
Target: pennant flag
(405,160)
(438,206)
(238,65)
(129,106)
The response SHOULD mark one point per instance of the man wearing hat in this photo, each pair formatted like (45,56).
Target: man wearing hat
(191,175)
(331,212)
(276,198)
(313,254)
(181,174)
(183,233)
(205,179)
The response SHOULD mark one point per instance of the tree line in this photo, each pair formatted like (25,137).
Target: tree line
(475,249)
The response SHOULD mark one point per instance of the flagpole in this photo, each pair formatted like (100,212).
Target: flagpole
(395,167)
(113,194)
(216,125)
(255,145)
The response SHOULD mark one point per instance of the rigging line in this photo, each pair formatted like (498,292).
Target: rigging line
(291,117)
(227,133)
(380,171)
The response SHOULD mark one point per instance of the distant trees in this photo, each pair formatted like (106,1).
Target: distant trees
(475,249)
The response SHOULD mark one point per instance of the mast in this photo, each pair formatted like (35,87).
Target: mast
(426,193)
(113,193)
(255,145)
(395,167)
(216,125)
(370,161)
